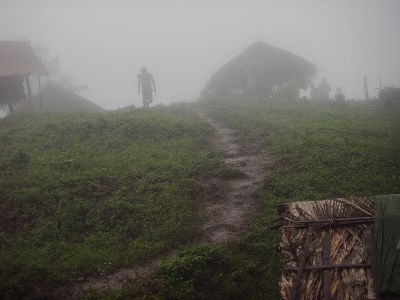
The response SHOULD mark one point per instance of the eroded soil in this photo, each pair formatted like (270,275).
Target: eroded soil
(234,203)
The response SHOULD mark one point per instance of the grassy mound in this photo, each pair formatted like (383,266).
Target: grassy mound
(322,150)
(85,194)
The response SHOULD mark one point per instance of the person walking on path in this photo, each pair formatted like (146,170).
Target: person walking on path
(147,85)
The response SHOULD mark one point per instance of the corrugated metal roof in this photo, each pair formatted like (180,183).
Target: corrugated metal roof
(18,58)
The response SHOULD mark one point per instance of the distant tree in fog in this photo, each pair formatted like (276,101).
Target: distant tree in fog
(54,71)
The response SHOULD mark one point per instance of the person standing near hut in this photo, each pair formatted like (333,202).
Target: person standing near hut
(324,89)
(339,96)
(147,85)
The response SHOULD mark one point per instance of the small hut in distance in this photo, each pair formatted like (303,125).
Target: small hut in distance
(18,62)
(258,71)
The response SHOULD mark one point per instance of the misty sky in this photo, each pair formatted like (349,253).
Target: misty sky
(103,44)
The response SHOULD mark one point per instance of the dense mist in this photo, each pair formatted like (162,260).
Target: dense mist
(103,44)
(198,149)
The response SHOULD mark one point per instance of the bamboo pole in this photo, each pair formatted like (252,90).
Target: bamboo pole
(28,87)
(326,260)
(304,256)
(40,96)
(323,267)
(365,88)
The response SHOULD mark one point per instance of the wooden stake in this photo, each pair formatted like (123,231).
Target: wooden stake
(40,96)
(366,88)
(331,223)
(28,87)
(326,260)
(304,256)
(10,99)
(323,267)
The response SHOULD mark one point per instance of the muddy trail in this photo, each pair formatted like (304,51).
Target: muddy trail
(233,202)
(230,208)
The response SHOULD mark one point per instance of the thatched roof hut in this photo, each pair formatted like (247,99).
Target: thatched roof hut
(341,248)
(258,70)
(18,61)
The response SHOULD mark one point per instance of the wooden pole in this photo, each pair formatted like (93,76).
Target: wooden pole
(326,260)
(323,267)
(304,256)
(28,87)
(330,222)
(366,88)
(40,96)
(10,99)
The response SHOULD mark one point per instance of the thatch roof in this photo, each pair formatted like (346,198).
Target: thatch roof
(18,58)
(327,249)
(269,65)
(56,99)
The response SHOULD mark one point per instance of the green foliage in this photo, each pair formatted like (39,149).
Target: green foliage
(202,271)
(85,194)
(206,272)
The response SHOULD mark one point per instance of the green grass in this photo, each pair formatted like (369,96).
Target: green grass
(322,150)
(86,194)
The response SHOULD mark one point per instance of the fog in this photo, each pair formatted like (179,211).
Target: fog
(103,44)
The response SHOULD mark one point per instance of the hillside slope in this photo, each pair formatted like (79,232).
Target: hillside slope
(322,150)
(87,194)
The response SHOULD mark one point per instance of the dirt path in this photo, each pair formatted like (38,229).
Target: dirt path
(231,207)
(234,200)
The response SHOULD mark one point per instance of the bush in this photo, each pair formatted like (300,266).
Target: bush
(390,96)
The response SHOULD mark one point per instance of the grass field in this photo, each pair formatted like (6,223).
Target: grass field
(322,150)
(85,194)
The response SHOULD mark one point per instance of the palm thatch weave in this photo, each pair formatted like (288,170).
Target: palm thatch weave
(346,225)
